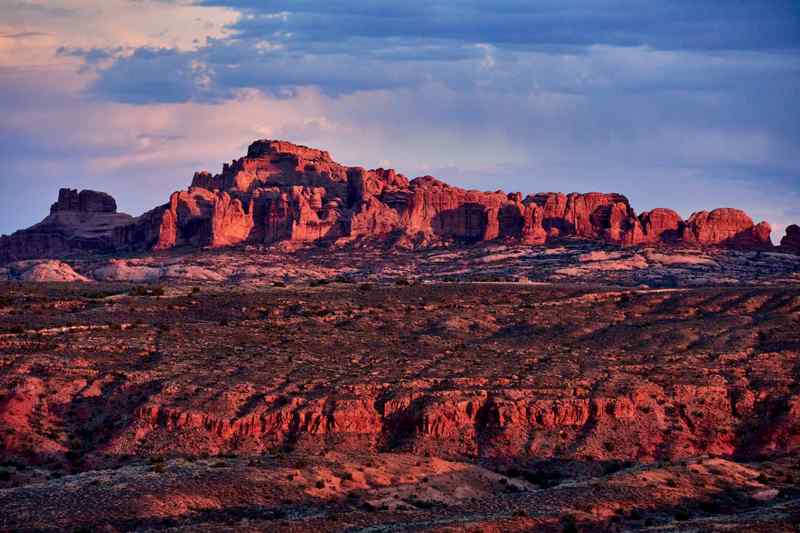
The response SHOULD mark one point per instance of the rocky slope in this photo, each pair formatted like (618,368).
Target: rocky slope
(503,406)
(499,372)
(573,260)
(281,192)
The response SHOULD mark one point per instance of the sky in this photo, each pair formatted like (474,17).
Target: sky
(687,104)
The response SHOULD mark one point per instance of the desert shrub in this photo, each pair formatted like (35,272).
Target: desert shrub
(711,507)
(613,467)
(278,284)
(424,504)
(672,483)
(568,525)
(320,484)
(144,290)
(542,479)
(682,515)
(73,455)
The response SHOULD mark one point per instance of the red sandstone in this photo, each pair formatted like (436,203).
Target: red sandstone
(284,192)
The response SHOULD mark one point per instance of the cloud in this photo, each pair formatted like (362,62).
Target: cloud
(668,24)
(686,104)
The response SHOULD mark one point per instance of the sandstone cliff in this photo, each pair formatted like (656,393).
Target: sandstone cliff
(281,191)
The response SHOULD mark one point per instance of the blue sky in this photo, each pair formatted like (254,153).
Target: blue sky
(684,104)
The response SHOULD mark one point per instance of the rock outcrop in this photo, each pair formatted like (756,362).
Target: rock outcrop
(85,202)
(78,222)
(730,227)
(44,271)
(791,241)
(284,192)
(661,225)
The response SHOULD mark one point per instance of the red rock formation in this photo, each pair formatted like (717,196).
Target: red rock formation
(726,226)
(230,222)
(300,214)
(661,225)
(791,241)
(591,216)
(281,191)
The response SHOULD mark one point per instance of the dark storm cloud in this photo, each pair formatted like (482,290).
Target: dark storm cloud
(90,55)
(343,47)
(674,24)
(152,75)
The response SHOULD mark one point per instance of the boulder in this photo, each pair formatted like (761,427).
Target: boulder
(118,270)
(45,271)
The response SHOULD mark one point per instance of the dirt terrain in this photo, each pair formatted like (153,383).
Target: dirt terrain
(404,403)
(572,261)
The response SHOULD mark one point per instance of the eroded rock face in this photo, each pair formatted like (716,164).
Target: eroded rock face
(284,192)
(86,202)
(592,216)
(661,225)
(726,226)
